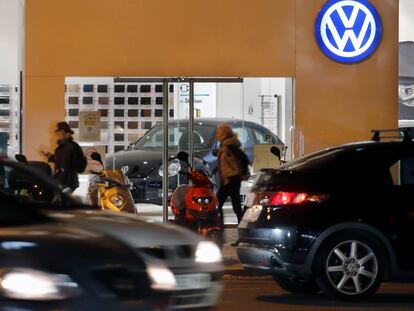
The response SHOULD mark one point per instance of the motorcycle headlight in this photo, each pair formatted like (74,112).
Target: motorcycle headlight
(174,168)
(117,200)
(161,278)
(208,252)
(28,284)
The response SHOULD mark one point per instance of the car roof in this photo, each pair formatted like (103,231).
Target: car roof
(216,121)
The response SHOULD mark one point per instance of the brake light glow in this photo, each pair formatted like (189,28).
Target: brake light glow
(295,198)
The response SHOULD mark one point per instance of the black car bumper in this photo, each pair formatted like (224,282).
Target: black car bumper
(282,250)
(149,190)
(267,260)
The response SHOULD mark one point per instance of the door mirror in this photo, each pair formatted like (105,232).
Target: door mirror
(183,156)
(21,158)
(96,157)
(215,152)
(130,146)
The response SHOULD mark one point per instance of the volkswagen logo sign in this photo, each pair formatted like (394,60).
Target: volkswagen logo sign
(348,31)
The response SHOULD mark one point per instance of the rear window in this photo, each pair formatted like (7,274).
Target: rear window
(314,161)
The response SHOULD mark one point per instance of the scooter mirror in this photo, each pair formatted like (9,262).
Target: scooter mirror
(183,156)
(276,151)
(96,157)
(21,158)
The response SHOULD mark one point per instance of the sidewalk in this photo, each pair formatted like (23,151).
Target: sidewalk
(231,262)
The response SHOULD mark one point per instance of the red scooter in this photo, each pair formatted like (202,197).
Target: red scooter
(195,206)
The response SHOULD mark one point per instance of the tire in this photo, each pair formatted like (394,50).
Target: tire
(296,286)
(217,237)
(350,266)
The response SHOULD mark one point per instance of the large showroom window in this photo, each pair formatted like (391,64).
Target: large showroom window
(128,118)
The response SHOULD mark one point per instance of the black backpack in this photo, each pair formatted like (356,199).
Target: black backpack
(81,162)
(243,160)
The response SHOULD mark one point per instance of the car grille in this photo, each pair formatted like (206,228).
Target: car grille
(122,282)
(170,252)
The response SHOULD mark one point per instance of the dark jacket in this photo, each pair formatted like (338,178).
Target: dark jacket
(65,159)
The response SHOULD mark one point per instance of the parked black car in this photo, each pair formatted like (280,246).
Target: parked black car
(340,220)
(145,155)
(58,254)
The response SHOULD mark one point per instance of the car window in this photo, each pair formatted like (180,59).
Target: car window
(262,137)
(244,136)
(26,186)
(178,137)
(403,172)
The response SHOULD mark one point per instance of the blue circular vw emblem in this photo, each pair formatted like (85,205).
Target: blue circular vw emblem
(348,31)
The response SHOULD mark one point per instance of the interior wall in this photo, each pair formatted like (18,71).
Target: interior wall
(262,38)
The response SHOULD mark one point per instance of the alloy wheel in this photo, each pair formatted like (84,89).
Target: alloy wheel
(352,267)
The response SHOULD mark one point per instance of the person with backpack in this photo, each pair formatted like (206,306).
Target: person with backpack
(69,159)
(232,166)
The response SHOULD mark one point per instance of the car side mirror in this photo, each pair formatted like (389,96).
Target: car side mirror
(275,151)
(96,157)
(215,152)
(21,158)
(130,146)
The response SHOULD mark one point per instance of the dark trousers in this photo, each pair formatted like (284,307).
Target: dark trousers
(233,190)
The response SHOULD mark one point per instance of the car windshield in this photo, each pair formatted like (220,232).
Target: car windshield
(178,137)
(313,161)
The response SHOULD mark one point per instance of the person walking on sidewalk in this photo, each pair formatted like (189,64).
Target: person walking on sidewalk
(229,169)
(68,158)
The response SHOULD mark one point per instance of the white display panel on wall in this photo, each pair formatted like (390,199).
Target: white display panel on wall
(9,116)
(128,110)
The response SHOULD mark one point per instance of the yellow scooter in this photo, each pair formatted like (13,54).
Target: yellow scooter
(110,189)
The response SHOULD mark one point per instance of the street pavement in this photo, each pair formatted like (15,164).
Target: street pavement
(262,294)
(243,291)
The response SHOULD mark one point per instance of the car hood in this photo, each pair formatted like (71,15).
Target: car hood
(57,245)
(144,162)
(128,228)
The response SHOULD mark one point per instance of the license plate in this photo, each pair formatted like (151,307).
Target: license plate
(193,281)
(161,193)
(252,214)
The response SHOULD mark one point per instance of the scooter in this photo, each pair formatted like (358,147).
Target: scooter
(195,206)
(110,189)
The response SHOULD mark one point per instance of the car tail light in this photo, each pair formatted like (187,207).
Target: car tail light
(294,198)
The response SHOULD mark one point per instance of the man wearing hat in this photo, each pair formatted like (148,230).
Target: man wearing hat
(67,156)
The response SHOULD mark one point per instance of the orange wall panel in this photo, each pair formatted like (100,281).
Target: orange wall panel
(335,103)
(338,103)
(159,38)
(44,107)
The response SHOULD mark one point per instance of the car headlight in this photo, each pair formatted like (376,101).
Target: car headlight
(174,168)
(161,278)
(208,252)
(117,200)
(28,284)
